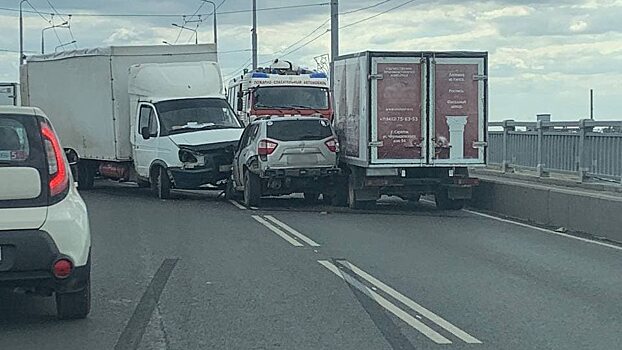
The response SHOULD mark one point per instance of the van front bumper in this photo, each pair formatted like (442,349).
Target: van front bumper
(194,178)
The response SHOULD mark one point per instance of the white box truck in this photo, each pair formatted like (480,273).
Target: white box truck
(410,123)
(155,115)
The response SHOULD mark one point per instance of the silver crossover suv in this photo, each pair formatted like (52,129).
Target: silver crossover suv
(285,155)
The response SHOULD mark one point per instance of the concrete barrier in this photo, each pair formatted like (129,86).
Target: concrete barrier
(593,212)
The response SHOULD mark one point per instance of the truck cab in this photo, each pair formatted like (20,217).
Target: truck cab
(183,131)
(280,90)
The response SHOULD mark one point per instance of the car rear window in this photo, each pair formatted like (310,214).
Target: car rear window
(20,142)
(295,130)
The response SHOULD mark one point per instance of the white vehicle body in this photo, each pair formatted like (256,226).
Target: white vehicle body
(98,108)
(43,219)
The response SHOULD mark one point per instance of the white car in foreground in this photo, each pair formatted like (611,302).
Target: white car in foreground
(45,241)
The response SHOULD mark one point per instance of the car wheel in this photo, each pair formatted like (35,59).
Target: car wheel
(74,305)
(443,201)
(252,189)
(161,183)
(86,176)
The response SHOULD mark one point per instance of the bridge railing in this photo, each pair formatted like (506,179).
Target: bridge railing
(585,148)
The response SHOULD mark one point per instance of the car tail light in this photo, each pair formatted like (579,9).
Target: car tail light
(266,147)
(333,145)
(62,268)
(57,167)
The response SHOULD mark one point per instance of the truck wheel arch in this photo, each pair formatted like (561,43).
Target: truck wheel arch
(154,165)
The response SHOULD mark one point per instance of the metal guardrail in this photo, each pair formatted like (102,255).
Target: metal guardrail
(586,148)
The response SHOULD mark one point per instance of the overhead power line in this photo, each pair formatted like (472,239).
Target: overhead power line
(365,8)
(377,14)
(170,15)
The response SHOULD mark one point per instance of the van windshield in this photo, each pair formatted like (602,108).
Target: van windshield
(187,115)
(294,97)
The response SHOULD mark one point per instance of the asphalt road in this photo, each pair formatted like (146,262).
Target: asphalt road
(198,272)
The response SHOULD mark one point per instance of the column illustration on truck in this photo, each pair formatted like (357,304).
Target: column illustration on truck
(456,126)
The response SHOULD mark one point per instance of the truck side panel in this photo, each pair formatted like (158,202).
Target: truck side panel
(76,95)
(351,102)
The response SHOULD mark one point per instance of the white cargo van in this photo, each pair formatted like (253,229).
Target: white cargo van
(155,115)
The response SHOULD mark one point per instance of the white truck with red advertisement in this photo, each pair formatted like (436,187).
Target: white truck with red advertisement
(280,90)
(409,124)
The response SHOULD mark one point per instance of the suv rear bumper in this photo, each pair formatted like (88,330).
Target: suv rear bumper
(27,260)
(301,172)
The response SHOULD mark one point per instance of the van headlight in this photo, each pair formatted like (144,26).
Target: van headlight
(187,156)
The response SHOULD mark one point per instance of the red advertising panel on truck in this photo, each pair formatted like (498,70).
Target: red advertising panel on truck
(398,111)
(457,110)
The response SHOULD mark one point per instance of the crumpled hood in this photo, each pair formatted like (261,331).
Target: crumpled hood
(202,137)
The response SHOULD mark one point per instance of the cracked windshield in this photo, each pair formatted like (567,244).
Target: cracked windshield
(310,174)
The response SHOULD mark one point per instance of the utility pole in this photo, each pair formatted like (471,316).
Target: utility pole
(21,33)
(334,39)
(254,34)
(592,104)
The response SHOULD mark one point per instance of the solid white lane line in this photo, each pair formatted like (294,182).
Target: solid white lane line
(278,231)
(236,204)
(404,316)
(306,239)
(413,305)
(543,229)
(535,227)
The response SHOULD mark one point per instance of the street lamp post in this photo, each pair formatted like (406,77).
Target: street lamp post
(65,44)
(196,38)
(62,25)
(215,25)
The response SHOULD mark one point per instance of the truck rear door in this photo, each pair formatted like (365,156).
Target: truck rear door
(398,122)
(457,111)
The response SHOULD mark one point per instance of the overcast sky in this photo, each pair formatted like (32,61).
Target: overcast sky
(544,55)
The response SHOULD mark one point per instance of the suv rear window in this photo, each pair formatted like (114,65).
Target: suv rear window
(14,144)
(297,130)
(20,142)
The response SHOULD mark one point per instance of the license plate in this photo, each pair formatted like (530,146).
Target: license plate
(225,168)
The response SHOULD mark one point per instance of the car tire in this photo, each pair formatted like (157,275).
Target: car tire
(252,189)
(311,197)
(74,305)
(86,176)
(161,183)
(443,201)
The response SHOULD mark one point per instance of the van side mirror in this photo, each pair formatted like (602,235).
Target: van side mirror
(144,132)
